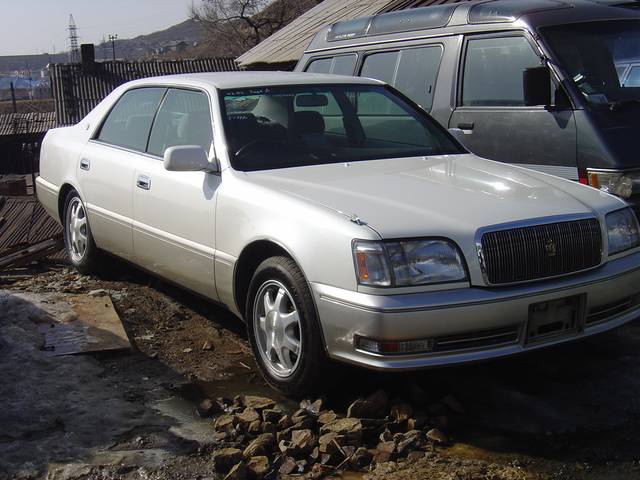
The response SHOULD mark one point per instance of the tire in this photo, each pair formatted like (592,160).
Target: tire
(78,240)
(279,285)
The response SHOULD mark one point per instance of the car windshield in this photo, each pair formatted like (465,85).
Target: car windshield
(602,58)
(290,126)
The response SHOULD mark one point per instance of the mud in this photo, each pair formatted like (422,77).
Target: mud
(565,413)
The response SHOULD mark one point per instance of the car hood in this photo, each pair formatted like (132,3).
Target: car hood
(450,195)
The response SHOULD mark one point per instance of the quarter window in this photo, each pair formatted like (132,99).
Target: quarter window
(413,71)
(494,69)
(129,121)
(183,119)
(340,65)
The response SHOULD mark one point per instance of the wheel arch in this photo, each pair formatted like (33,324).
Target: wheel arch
(62,197)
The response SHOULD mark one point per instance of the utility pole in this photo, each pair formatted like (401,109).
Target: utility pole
(13,99)
(112,39)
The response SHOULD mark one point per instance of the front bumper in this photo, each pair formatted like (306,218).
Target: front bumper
(474,322)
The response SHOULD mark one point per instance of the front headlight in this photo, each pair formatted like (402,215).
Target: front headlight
(407,263)
(623,231)
(621,184)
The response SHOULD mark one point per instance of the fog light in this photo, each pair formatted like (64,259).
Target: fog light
(384,347)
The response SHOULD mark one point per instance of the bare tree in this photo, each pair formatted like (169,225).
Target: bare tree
(235,26)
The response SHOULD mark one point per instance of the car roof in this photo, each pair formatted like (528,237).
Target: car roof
(253,79)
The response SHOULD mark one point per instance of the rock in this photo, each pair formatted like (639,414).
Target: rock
(437,436)
(407,441)
(258,467)
(187,350)
(286,447)
(453,404)
(361,458)
(262,445)
(225,458)
(268,427)
(326,442)
(385,451)
(327,416)
(303,440)
(258,403)
(313,408)
(254,427)
(129,312)
(287,466)
(417,423)
(401,412)
(284,422)
(415,456)
(374,406)
(207,345)
(270,415)
(238,401)
(299,416)
(98,293)
(237,472)
(68,317)
(247,416)
(225,422)
(342,426)
(207,407)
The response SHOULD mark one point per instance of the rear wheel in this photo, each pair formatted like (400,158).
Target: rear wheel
(81,249)
(284,330)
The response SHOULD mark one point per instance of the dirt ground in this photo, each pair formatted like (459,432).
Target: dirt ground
(565,413)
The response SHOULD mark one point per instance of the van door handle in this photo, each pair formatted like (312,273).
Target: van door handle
(143,182)
(466,125)
(85,164)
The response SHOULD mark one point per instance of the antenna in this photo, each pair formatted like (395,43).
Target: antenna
(74,50)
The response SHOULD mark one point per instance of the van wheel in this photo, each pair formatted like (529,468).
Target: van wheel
(284,330)
(81,249)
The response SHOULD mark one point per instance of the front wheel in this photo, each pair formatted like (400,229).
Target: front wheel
(284,330)
(78,241)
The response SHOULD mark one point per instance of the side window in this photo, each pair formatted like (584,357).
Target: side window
(129,121)
(413,71)
(183,119)
(340,65)
(493,71)
(633,79)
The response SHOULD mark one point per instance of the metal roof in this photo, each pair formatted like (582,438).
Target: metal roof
(26,123)
(288,44)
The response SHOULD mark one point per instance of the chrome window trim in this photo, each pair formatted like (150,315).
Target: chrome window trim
(531,223)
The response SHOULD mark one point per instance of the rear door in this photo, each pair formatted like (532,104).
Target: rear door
(107,165)
(491,111)
(174,212)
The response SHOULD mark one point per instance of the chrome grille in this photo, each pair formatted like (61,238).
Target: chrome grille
(540,251)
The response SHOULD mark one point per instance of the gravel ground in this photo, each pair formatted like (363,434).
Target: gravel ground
(565,413)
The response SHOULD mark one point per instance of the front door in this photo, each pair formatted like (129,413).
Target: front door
(174,212)
(492,114)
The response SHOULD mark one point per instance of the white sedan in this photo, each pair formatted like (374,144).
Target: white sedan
(339,221)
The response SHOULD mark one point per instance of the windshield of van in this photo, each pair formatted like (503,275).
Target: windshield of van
(602,58)
(290,126)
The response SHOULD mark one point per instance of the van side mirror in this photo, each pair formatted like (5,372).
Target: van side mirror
(536,83)
(189,158)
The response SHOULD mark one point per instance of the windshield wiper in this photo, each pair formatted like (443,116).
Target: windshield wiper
(620,104)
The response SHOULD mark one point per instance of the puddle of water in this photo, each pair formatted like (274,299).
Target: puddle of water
(188,424)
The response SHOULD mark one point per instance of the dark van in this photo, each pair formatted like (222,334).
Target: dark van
(551,85)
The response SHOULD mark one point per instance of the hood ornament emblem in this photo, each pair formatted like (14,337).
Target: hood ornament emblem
(551,248)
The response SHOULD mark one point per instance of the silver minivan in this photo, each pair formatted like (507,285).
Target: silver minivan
(551,85)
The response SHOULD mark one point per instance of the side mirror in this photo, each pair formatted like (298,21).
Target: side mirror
(188,158)
(458,134)
(536,83)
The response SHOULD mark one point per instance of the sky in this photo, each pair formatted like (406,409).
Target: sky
(35,26)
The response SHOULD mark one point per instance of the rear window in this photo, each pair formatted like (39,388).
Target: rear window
(340,65)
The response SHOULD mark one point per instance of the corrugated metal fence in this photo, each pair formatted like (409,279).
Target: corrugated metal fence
(77,89)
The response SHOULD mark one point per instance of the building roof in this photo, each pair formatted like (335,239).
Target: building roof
(250,79)
(288,44)
(26,123)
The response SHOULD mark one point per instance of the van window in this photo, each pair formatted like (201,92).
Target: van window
(633,79)
(413,71)
(183,119)
(493,71)
(129,121)
(340,65)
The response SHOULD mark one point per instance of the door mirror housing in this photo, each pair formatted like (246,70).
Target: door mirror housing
(536,84)
(189,158)
(458,134)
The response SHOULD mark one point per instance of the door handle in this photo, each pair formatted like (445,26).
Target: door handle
(85,164)
(466,125)
(143,182)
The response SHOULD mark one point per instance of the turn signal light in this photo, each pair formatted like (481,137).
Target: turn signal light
(384,347)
